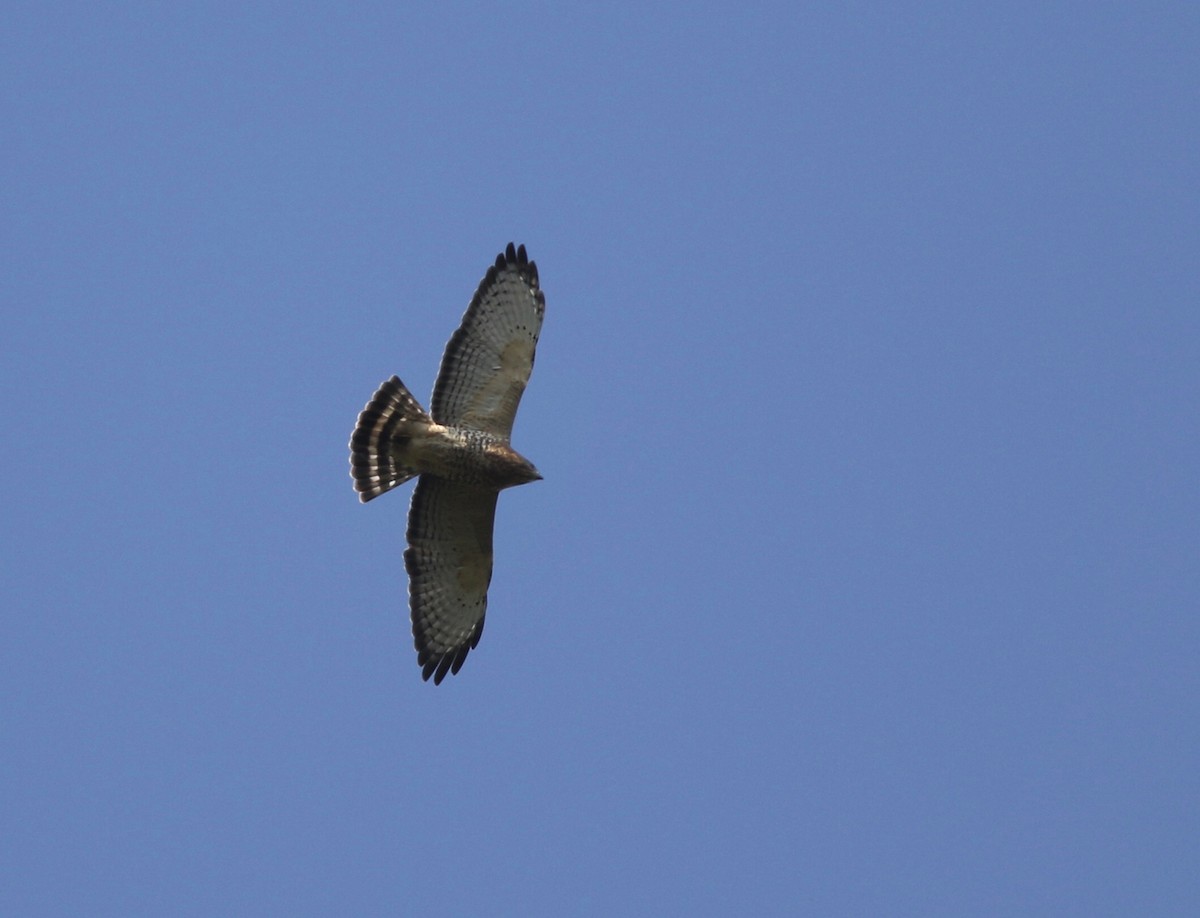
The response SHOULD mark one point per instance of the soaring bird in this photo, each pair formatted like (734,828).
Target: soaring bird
(460,449)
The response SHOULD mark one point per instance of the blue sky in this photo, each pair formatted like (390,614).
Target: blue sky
(863,578)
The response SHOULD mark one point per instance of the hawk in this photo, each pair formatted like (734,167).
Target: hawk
(460,449)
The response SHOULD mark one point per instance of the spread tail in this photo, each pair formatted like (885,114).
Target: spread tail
(379,439)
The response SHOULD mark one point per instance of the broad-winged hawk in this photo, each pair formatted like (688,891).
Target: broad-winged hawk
(461,450)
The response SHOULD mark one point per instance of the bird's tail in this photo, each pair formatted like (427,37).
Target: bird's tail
(379,443)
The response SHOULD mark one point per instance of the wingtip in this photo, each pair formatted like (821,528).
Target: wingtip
(513,254)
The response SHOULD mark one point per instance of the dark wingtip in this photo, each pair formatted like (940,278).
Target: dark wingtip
(515,256)
(437,667)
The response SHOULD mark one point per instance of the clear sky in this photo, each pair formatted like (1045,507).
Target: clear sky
(864,576)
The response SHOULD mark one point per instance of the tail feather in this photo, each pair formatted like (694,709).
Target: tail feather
(377,444)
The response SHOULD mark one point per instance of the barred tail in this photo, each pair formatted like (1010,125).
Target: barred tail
(377,445)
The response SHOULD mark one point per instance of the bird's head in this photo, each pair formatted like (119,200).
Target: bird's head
(512,469)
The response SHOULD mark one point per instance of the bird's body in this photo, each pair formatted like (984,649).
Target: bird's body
(469,456)
(460,450)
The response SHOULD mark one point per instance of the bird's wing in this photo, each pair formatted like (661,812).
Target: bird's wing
(489,358)
(449,562)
